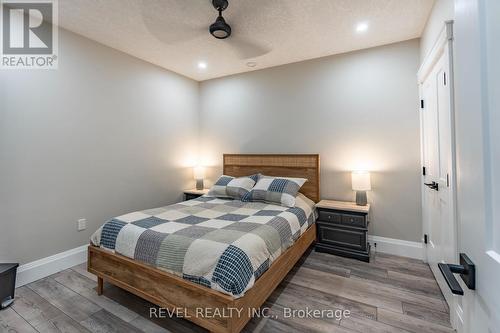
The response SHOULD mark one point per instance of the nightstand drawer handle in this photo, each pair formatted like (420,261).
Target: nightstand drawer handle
(329,217)
(357,221)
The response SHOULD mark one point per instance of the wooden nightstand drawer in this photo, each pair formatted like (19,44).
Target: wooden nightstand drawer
(354,220)
(194,193)
(328,216)
(342,229)
(342,237)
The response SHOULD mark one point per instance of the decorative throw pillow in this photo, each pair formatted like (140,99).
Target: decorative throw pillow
(280,190)
(231,187)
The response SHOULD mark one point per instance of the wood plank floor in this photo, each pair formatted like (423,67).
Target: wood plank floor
(389,294)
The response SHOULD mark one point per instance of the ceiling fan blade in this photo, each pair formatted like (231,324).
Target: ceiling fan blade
(174,21)
(247,49)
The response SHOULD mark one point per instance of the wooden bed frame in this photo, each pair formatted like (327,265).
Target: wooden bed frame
(172,292)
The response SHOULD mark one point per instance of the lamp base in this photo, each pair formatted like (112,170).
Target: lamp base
(361,199)
(199,184)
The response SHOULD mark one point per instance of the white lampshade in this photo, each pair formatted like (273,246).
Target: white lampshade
(199,172)
(361,181)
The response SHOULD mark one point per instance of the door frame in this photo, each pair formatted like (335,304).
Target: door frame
(442,46)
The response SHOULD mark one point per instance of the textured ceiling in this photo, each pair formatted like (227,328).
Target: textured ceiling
(174,34)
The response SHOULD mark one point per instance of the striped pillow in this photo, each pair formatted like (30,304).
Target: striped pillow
(231,187)
(276,190)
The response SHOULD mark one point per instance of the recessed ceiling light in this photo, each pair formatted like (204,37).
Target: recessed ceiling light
(202,65)
(362,27)
(251,64)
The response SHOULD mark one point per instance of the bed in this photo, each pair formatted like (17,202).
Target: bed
(183,277)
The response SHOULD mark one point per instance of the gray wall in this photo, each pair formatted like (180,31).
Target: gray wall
(107,134)
(358,110)
(103,135)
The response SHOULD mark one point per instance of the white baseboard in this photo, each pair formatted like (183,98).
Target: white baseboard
(44,267)
(41,268)
(397,247)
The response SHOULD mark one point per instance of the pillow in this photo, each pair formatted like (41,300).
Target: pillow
(276,190)
(231,187)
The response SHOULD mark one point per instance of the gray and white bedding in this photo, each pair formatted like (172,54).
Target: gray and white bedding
(222,244)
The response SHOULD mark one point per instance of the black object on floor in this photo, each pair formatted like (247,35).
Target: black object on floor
(7,284)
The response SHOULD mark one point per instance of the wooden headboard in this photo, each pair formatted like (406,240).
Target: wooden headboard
(289,165)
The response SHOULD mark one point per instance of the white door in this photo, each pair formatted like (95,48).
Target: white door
(430,167)
(477,110)
(438,157)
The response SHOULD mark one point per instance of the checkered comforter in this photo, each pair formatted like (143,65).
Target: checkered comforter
(222,244)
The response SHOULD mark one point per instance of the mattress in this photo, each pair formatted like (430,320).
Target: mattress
(222,244)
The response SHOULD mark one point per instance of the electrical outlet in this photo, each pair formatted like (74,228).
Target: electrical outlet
(82,224)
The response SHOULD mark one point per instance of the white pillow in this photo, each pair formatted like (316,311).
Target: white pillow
(276,190)
(231,187)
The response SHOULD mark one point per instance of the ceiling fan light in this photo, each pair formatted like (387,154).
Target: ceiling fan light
(221,34)
(220,29)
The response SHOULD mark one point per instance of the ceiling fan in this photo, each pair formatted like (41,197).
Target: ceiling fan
(220,29)
(180,21)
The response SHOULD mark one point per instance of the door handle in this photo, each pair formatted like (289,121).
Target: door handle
(436,186)
(467,272)
(433,186)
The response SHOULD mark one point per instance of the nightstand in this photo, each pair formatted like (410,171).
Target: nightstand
(343,229)
(194,193)
(7,284)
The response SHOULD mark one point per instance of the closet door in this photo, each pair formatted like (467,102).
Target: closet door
(438,161)
(438,196)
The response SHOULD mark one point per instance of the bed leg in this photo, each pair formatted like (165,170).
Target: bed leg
(100,285)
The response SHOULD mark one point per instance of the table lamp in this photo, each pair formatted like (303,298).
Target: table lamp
(361,183)
(199,174)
